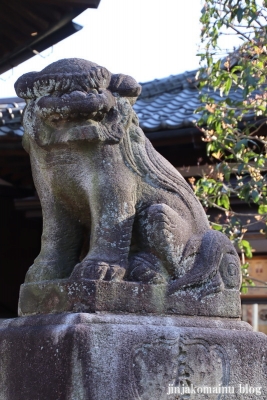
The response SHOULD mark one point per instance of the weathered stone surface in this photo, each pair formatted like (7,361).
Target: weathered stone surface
(122,233)
(125,357)
(100,181)
(91,296)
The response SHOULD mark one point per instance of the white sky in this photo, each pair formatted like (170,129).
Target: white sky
(146,39)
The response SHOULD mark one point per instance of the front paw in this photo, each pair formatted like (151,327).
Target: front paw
(46,271)
(97,270)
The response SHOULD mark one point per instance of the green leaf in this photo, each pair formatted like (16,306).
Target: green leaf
(217,227)
(244,289)
(247,248)
(237,68)
(255,195)
(241,144)
(262,209)
(240,12)
(224,201)
(240,168)
(228,85)
(218,127)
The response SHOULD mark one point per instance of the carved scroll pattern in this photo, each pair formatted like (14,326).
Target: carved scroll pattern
(185,363)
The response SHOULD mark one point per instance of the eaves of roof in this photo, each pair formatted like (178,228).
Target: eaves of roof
(10,118)
(165,108)
(30,26)
(170,103)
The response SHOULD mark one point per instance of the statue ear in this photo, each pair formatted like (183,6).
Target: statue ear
(125,85)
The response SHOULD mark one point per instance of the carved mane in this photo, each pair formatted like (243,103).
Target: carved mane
(143,159)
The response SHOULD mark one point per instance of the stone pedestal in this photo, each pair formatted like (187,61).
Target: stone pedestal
(131,297)
(100,356)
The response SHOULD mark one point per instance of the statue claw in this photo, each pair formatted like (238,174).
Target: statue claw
(115,273)
(143,274)
(93,270)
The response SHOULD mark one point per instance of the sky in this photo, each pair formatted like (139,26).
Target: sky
(146,39)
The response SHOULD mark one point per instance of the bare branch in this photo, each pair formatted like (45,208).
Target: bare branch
(241,33)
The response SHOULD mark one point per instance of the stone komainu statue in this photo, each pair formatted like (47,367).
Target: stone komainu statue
(113,208)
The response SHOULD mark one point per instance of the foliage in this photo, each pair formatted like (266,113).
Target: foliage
(235,126)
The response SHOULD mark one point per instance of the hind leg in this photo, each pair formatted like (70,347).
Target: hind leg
(162,236)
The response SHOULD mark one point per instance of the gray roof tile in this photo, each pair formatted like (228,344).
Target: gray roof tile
(10,117)
(18,132)
(167,103)
(176,97)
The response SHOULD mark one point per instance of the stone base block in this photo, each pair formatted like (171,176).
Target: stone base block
(91,296)
(127,357)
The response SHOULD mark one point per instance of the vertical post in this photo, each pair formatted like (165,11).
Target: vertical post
(255,320)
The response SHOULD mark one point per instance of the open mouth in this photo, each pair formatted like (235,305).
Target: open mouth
(76,105)
(58,119)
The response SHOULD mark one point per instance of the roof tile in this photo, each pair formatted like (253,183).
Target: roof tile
(177,97)
(10,117)
(167,103)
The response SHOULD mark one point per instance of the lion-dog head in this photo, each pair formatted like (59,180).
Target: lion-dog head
(74,99)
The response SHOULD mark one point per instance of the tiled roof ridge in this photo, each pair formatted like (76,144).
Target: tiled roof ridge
(11,100)
(10,116)
(10,113)
(172,82)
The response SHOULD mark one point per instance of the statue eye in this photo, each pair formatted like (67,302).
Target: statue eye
(231,269)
